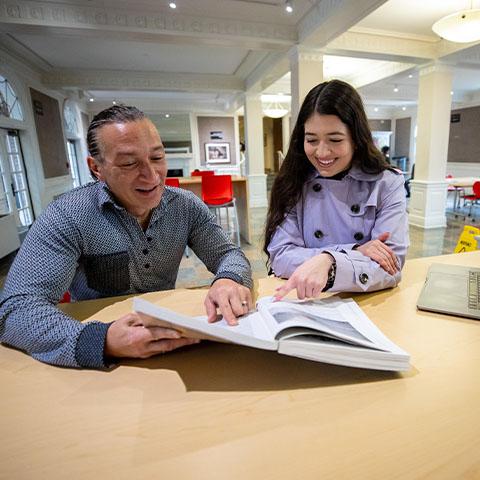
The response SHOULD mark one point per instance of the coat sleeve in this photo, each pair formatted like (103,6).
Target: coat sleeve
(42,271)
(355,272)
(358,273)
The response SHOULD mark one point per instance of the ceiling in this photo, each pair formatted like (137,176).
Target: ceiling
(204,55)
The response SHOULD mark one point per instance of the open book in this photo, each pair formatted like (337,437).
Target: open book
(331,330)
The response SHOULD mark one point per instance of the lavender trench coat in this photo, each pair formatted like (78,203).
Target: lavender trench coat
(335,215)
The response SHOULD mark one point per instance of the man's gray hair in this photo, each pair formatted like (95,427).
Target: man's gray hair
(115,114)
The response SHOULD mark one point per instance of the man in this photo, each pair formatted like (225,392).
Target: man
(125,233)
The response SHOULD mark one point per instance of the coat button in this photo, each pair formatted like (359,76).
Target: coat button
(358,236)
(355,208)
(145,251)
(149,239)
(147,265)
(317,187)
(363,277)
(318,234)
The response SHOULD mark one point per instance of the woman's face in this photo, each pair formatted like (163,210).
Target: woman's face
(328,144)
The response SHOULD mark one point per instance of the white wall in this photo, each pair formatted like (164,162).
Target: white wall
(22,78)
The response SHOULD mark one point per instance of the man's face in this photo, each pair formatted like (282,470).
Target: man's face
(133,166)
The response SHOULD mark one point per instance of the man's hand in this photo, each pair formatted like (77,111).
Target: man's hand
(231,298)
(309,278)
(380,253)
(130,337)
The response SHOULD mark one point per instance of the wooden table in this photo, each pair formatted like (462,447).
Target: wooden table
(460,184)
(216,411)
(240,192)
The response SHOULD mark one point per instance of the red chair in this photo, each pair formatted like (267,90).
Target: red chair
(203,173)
(172,182)
(474,198)
(217,193)
(66,298)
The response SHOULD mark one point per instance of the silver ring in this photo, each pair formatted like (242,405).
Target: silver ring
(244,303)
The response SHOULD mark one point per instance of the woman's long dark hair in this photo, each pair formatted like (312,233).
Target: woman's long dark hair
(329,98)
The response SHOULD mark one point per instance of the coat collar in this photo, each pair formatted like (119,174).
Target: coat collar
(355,173)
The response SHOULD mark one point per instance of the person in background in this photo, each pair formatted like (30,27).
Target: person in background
(385,152)
(337,218)
(123,234)
(242,160)
(407,182)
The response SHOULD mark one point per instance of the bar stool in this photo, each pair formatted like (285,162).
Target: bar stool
(474,198)
(217,194)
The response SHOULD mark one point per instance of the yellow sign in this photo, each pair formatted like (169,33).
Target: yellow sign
(467,241)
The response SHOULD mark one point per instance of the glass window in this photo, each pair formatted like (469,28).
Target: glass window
(72,160)
(19,180)
(9,103)
(5,207)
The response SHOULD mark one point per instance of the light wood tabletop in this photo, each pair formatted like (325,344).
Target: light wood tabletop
(462,182)
(218,411)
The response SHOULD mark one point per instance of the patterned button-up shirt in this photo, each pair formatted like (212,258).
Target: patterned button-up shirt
(86,243)
(336,215)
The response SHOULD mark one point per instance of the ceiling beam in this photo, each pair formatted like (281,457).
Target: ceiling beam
(323,22)
(386,70)
(356,43)
(330,18)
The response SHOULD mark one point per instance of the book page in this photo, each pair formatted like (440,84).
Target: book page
(334,317)
(249,331)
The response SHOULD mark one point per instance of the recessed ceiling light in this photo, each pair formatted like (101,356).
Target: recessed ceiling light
(172,5)
(395,88)
(114,102)
(375,109)
(410,76)
(90,99)
(167,115)
(404,108)
(288,6)
(451,93)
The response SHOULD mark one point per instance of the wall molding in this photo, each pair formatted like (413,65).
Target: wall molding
(45,14)
(126,80)
(427,204)
(257,188)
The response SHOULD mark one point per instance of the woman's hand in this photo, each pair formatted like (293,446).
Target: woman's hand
(380,253)
(309,278)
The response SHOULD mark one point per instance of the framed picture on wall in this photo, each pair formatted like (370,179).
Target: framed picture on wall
(217,152)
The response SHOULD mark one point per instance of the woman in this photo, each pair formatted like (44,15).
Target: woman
(337,218)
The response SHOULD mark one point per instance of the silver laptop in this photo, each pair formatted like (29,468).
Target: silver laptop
(451,289)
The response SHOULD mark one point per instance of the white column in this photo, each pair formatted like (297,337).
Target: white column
(429,188)
(257,180)
(306,68)
(195,163)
